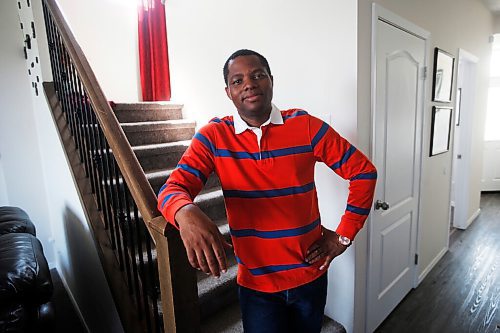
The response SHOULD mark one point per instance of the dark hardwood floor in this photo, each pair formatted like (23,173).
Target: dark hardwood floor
(462,293)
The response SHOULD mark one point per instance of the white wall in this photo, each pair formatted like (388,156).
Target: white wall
(107,32)
(19,150)
(4,198)
(37,177)
(312,53)
(468,25)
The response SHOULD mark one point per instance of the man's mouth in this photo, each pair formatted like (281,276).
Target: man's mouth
(252,98)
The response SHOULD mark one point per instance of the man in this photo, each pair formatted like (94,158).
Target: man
(265,161)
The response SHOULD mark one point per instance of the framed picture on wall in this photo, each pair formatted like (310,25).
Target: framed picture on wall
(443,76)
(440,130)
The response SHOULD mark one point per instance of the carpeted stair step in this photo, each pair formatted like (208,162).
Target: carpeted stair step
(147,111)
(215,293)
(158,177)
(212,203)
(144,133)
(160,155)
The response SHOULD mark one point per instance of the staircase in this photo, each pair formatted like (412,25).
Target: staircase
(159,136)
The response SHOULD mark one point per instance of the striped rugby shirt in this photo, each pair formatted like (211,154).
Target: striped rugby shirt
(269,192)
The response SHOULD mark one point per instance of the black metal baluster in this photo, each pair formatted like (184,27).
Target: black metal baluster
(152,277)
(114,199)
(52,49)
(129,203)
(50,42)
(77,111)
(108,182)
(142,266)
(64,93)
(88,142)
(103,180)
(73,110)
(69,104)
(89,138)
(122,224)
(97,157)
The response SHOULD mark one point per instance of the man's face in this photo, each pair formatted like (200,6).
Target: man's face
(250,87)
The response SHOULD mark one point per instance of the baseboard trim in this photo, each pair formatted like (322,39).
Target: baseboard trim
(72,298)
(433,263)
(473,217)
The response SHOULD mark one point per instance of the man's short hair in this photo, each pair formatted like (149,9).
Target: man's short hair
(245,52)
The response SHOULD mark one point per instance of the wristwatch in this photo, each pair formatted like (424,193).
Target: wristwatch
(344,240)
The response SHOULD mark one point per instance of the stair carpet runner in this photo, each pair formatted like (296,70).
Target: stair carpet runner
(159,136)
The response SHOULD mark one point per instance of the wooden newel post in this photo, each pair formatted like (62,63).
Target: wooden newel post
(179,292)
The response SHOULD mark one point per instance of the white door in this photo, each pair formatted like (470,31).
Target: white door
(462,145)
(397,116)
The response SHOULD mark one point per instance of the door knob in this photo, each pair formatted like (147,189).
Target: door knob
(381,205)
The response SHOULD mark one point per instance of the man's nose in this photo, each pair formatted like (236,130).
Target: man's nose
(248,83)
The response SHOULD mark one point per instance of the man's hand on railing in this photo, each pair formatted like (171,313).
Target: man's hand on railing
(202,239)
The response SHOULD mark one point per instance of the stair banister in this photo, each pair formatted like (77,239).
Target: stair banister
(177,279)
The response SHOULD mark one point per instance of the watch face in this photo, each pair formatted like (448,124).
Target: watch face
(344,240)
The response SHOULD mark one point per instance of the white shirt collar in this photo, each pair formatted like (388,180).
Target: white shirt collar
(241,126)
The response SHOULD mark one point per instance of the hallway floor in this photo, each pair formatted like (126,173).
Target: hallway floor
(462,292)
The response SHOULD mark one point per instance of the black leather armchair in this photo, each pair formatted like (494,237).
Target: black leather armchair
(25,283)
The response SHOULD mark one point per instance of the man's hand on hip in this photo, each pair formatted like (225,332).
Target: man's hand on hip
(326,249)
(202,239)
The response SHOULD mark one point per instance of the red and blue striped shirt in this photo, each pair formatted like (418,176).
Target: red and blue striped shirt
(270,194)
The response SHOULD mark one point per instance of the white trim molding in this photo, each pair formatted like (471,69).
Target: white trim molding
(431,265)
(471,219)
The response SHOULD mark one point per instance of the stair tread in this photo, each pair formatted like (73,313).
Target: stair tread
(145,105)
(207,283)
(161,147)
(161,175)
(165,172)
(158,122)
(211,193)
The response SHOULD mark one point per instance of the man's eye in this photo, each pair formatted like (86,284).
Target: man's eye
(237,81)
(260,75)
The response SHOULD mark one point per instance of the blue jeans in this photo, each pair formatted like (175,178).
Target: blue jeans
(298,309)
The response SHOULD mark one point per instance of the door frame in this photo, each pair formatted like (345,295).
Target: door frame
(380,13)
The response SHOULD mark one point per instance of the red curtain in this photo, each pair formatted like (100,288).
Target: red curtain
(153,51)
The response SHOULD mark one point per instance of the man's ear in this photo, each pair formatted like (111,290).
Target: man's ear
(272,80)
(228,93)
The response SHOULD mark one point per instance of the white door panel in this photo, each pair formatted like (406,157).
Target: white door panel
(395,266)
(401,78)
(397,116)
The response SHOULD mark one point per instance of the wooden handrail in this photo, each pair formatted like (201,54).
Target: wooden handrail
(134,176)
